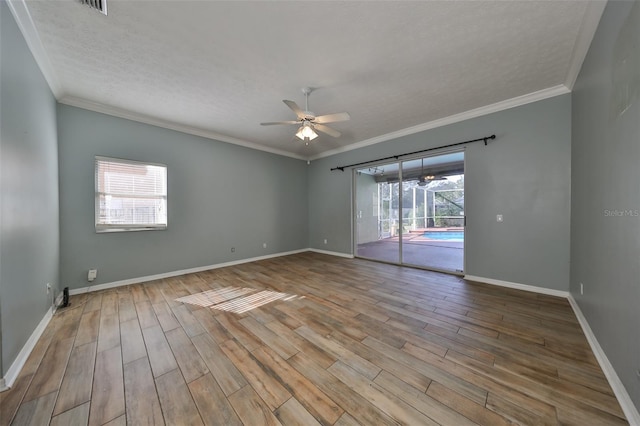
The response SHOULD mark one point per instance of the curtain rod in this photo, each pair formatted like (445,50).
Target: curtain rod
(485,139)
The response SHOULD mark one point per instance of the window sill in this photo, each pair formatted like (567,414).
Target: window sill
(130,229)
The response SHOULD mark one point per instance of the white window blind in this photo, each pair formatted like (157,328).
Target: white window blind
(130,195)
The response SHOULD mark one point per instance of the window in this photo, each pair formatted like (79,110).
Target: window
(130,195)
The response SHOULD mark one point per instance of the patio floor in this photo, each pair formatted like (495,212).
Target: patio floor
(442,255)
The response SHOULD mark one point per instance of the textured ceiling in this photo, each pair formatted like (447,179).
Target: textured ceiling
(220,68)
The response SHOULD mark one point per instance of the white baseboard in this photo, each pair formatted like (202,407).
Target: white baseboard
(170,274)
(525,287)
(12,374)
(629,409)
(618,388)
(331,253)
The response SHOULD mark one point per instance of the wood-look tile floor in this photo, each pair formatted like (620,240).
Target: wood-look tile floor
(363,343)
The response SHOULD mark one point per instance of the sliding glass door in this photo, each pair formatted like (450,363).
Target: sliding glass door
(377,224)
(412,212)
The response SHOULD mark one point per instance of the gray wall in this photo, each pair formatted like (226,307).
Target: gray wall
(223,196)
(606,158)
(29,256)
(524,174)
(219,196)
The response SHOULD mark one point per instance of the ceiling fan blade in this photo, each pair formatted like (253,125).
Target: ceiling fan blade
(328,130)
(295,108)
(271,123)
(332,118)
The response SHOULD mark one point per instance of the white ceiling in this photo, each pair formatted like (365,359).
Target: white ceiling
(219,68)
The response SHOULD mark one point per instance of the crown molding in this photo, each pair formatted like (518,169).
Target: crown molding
(478,112)
(550,92)
(25,23)
(587,30)
(23,18)
(141,118)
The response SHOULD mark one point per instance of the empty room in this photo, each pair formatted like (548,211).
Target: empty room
(319,213)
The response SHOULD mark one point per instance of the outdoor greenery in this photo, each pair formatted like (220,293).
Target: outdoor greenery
(447,196)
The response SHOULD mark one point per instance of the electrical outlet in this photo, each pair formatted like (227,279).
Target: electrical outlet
(48,288)
(264,245)
(325,241)
(91,276)
(233,249)
(499,218)
(581,289)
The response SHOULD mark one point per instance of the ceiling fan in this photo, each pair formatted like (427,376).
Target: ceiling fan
(424,180)
(309,122)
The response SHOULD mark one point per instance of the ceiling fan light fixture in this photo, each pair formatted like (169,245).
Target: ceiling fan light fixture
(309,122)
(306,132)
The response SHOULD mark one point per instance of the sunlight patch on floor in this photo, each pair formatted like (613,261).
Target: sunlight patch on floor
(235,299)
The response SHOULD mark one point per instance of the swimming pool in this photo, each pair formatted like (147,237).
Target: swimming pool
(444,235)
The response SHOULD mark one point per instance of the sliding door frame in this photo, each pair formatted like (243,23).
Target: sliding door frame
(399,162)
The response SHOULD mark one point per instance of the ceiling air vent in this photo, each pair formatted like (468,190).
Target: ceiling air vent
(99,5)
